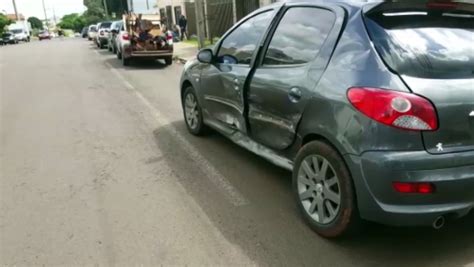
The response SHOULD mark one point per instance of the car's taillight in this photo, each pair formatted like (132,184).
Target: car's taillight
(398,109)
(442,5)
(125,37)
(414,188)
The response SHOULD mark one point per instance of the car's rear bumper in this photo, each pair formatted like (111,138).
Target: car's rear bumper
(374,173)
(128,52)
(103,40)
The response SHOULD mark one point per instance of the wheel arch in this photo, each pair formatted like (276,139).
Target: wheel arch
(185,84)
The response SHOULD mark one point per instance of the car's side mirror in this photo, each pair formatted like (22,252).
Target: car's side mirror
(205,56)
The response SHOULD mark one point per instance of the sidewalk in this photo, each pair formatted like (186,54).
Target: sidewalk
(184,52)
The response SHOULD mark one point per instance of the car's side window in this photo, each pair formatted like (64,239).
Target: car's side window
(299,36)
(240,45)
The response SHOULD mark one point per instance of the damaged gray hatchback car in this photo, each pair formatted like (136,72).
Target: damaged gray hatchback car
(371,105)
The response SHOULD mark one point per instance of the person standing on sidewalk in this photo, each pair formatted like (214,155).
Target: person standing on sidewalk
(183,24)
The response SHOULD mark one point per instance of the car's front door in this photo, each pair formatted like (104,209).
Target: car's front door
(223,81)
(287,73)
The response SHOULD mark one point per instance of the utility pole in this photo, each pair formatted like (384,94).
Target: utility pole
(200,22)
(45,15)
(16,11)
(130,5)
(105,8)
(54,16)
(147,5)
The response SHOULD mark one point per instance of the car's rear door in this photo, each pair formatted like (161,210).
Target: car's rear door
(289,71)
(431,47)
(224,80)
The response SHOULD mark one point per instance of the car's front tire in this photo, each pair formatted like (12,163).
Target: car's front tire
(324,191)
(193,113)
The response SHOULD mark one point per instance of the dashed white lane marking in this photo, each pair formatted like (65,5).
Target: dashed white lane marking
(230,192)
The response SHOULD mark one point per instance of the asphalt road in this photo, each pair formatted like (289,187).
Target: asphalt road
(97,168)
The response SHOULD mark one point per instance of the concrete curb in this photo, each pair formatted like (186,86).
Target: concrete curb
(181,59)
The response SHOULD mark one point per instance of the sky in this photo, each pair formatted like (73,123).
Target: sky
(35,7)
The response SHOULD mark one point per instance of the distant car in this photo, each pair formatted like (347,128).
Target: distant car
(103,32)
(114,31)
(21,35)
(9,38)
(44,35)
(92,32)
(84,32)
(122,40)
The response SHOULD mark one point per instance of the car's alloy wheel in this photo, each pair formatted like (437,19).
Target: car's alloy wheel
(324,190)
(193,113)
(191,110)
(318,189)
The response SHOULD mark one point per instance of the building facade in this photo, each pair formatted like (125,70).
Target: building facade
(220,15)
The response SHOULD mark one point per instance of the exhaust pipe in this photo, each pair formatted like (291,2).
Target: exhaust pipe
(439,223)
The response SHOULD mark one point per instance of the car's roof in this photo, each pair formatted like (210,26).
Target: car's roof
(354,3)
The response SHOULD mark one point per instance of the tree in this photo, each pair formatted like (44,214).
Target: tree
(35,22)
(73,22)
(4,21)
(95,11)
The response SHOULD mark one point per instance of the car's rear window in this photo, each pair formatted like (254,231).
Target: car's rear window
(425,44)
(105,25)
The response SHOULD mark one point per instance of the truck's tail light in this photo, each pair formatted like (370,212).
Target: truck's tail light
(397,109)
(169,37)
(414,188)
(125,37)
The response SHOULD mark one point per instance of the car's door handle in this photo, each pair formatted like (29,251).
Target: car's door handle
(295,95)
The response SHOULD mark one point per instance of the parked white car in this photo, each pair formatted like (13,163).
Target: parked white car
(92,33)
(21,35)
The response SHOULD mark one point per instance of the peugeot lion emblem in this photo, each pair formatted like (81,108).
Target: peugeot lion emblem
(440,147)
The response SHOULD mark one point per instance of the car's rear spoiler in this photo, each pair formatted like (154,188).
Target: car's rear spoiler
(420,5)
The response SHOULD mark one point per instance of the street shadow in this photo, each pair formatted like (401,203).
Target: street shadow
(135,64)
(270,230)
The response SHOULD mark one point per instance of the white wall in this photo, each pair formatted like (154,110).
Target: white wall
(140,6)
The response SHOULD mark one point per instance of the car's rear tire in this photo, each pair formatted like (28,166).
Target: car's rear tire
(125,61)
(324,191)
(169,60)
(193,113)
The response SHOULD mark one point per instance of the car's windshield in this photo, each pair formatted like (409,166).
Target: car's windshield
(17,31)
(425,44)
(6,35)
(93,29)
